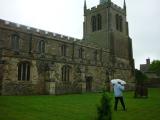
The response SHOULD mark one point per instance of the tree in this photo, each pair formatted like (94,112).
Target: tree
(140,77)
(104,110)
(155,67)
(140,90)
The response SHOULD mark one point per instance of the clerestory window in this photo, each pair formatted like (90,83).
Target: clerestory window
(41,47)
(81,53)
(15,42)
(63,50)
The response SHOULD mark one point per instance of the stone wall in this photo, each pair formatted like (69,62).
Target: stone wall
(68,87)
(18,88)
(1,77)
(105,53)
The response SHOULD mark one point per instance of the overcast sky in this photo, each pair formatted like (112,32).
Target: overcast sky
(66,17)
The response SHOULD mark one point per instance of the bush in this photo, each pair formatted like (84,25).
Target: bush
(104,109)
(140,77)
(140,90)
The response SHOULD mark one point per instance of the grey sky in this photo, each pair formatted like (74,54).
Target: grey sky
(66,17)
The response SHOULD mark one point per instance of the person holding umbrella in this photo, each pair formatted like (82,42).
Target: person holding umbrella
(118,93)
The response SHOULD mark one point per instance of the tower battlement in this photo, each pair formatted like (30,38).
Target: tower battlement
(116,7)
(106,5)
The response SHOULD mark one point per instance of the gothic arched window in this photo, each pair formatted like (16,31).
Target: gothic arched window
(121,23)
(24,71)
(81,53)
(93,22)
(117,21)
(65,73)
(41,47)
(63,50)
(99,21)
(15,42)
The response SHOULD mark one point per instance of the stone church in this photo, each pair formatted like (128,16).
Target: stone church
(34,61)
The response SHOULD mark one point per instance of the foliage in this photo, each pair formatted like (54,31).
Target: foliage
(155,67)
(104,110)
(140,77)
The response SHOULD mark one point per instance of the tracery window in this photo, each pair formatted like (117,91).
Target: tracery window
(96,22)
(119,23)
(24,71)
(99,21)
(65,73)
(93,22)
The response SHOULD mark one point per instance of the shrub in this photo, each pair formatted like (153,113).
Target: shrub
(104,109)
(140,77)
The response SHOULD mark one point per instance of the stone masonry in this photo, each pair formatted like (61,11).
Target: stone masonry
(34,61)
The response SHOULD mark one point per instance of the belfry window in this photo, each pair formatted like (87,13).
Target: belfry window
(117,21)
(65,73)
(15,42)
(121,23)
(93,22)
(99,21)
(96,22)
(24,71)
(41,47)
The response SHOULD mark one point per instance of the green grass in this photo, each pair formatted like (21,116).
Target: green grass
(76,107)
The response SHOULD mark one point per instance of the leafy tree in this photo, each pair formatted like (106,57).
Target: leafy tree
(104,110)
(140,90)
(155,67)
(140,77)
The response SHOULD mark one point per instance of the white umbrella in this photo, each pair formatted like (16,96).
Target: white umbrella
(115,81)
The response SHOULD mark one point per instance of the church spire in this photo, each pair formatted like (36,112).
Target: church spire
(124,6)
(85,5)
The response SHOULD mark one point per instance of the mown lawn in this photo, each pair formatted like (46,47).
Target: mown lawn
(76,107)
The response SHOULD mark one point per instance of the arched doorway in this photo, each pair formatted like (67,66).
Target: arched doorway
(89,80)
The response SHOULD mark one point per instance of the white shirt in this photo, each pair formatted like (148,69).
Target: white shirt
(118,88)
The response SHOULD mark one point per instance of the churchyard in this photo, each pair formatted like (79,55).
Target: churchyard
(77,107)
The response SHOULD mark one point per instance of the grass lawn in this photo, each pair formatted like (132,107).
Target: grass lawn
(76,107)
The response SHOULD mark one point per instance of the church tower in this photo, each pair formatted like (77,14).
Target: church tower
(106,25)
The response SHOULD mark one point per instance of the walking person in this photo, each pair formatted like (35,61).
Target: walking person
(118,94)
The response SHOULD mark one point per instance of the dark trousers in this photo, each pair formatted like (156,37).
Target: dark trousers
(116,103)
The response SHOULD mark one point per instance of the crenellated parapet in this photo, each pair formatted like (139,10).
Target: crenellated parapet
(45,34)
(105,5)
(35,31)
(116,7)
